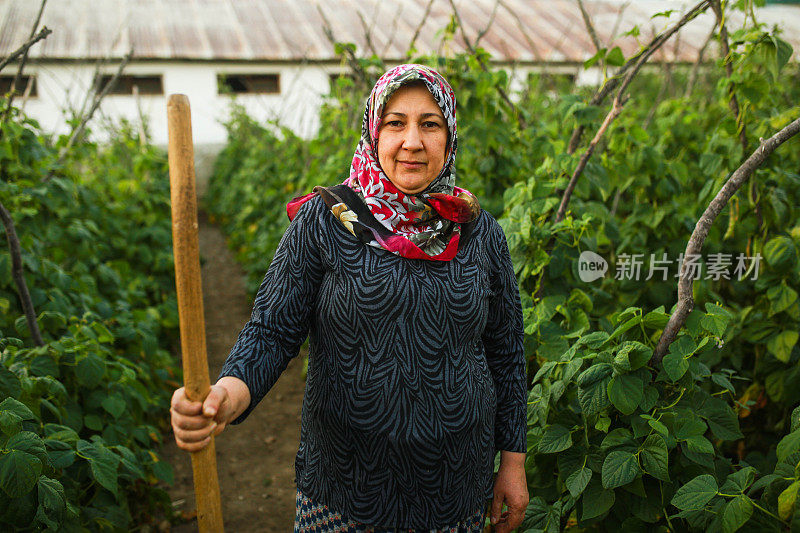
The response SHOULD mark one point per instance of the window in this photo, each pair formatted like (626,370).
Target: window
(248,84)
(125,84)
(22,85)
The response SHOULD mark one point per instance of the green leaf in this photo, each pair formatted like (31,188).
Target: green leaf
(103,463)
(625,392)
(675,365)
(723,422)
(739,481)
(781,297)
(655,457)
(688,424)
(596,501)
(594,398)
(615,58)
(695,494)
(556,439)
(786,501)
(788,445)
(659,428)
(18,408)
(114,405)
(656,319)
(780,253)
(699,444)
(90,370)
(9,383)
(28,442)
(638,353)
(649,399)
(18,472)
(578,480)
(781,345)
(51,496)
(10,423)
(619,468)
(737,512)
(61,454)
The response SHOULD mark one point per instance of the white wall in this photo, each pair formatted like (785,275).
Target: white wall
(64,85)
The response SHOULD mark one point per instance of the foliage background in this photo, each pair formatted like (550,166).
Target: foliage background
(81,416)
(704,440)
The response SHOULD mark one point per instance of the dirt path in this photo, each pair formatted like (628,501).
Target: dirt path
(255,460)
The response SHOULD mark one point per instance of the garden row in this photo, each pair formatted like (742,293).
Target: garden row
(81,415)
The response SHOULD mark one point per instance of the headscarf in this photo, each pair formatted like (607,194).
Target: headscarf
(425,225)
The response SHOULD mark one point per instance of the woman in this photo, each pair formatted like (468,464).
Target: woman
(416,371)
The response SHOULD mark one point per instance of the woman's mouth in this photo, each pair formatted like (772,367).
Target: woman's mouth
(412,164)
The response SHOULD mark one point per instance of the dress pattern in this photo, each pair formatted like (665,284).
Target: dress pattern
(314,517)
(416,372)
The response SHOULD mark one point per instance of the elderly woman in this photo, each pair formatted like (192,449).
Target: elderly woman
(416,373)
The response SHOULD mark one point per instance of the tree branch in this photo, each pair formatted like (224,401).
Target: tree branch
(361,76)
(19,277)
(78,131)
(24,48)
(590,27)
(619,101)
(610,85)
(18,76)
(471,48)
(411,47)
(488,24)
(701,229)
(696,67)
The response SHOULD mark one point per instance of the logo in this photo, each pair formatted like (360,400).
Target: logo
(591,266)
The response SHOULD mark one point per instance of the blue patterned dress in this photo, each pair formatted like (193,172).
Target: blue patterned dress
(416,373)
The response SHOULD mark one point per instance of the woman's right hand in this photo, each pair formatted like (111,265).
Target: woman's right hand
(194,423)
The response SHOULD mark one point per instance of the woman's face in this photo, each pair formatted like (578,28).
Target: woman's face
(412,139)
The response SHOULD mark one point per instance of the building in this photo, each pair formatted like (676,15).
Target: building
(276,57)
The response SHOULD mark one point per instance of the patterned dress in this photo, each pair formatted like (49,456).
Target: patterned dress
(416,374)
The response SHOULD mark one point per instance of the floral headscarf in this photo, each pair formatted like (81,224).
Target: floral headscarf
(425,225)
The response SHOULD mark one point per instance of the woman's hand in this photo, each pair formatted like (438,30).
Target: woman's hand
(194,423)
(511,488)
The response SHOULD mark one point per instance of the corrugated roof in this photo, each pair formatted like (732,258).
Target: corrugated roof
(527,31)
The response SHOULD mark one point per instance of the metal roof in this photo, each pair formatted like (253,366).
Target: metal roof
(529,31)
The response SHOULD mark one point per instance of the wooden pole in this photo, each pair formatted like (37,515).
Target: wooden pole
(190,300)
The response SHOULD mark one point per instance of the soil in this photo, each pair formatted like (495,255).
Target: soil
(255,460)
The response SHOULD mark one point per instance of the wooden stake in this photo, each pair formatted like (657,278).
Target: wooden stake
(190,300)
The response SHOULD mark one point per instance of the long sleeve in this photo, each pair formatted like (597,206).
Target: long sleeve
(503,342)
(282,310)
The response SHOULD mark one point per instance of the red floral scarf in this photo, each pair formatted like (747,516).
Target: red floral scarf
(426,225)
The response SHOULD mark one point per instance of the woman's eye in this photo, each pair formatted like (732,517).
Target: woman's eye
(431,124)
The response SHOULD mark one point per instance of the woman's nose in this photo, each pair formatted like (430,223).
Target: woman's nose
(412,140)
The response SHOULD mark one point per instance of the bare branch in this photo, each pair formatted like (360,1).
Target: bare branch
(21,68)
(701,229)
(367,33)
(488,24)
(615,111)
(361,77)
(521,27)
(471,48)
(635,61)
(24,48)
(733,102)
(19,277)
(696,67)
(619,101)
(77,133)
(411,47)
(590,27)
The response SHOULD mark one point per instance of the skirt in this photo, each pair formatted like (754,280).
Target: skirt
(313,517)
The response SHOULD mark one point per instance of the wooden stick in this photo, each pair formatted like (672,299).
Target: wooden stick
(190,300)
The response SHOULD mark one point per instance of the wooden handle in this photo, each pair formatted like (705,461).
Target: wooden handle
(190,300)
